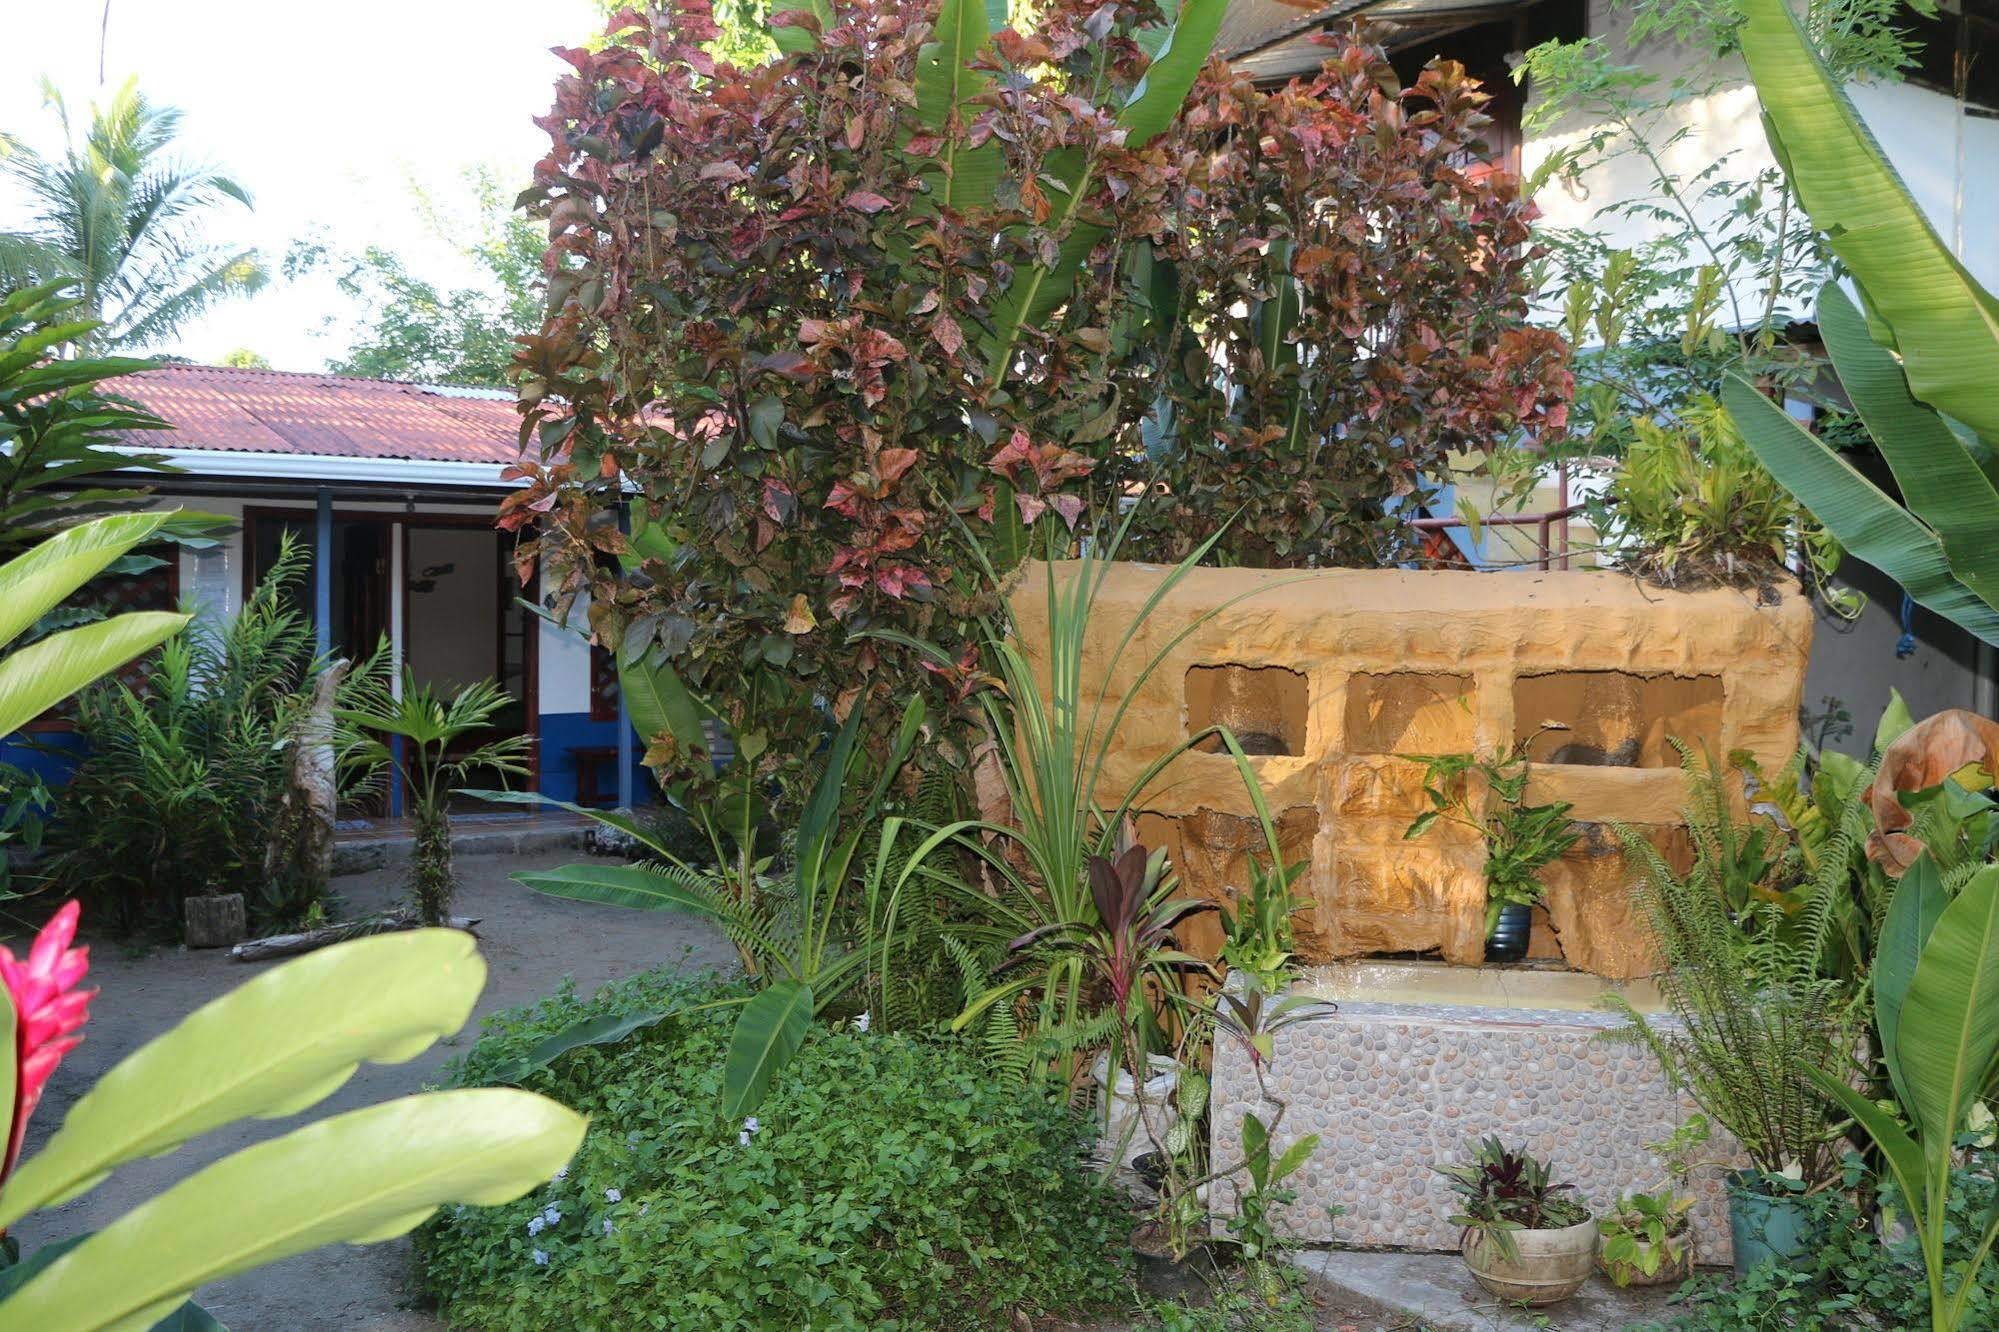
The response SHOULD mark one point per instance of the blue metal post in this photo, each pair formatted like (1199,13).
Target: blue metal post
(322,575)
(624,715)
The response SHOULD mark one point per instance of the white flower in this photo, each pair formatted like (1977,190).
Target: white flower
(743,1138)
(608,1227)
(540,1257)
(861,1022)
(536,1224)
(562,1173)
(751,1125)
(552,1213)
(612,1195)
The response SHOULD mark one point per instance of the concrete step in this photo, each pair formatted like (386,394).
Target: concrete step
(1438,1294)
(386,843)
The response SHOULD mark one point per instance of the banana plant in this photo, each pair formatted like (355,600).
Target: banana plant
(1936,1009)
(272,1047)
(37,677)
(1039,289)
(1919,365)
(791,936)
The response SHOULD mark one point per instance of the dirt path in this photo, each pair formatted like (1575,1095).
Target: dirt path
(529,943)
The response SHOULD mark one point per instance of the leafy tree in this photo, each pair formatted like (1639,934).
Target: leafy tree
(421,331)
(242,358)
(119,215)
(923,279)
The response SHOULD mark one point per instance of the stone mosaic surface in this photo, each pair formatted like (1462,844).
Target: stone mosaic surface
(1394,1090)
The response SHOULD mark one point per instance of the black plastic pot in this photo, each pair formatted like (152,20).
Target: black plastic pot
(1508,940)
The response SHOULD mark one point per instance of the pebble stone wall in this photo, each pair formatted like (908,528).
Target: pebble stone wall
(1393,1090)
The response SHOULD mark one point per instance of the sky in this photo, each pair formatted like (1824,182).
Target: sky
(324,112)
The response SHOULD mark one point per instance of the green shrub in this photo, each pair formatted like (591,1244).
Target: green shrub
(1850,1279)
(887,1183)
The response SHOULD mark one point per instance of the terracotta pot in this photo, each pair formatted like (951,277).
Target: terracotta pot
(1670,1272)
(1552,1264)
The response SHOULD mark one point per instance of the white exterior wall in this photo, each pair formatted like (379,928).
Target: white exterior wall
(1949,160)
(564,684)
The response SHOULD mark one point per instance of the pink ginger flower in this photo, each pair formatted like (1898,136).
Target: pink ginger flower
(47,1008)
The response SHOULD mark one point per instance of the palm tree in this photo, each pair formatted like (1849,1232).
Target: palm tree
(119,216)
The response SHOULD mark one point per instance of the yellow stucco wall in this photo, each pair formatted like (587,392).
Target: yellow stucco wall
(1337,676)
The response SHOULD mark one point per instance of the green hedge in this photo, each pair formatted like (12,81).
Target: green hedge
(887,1183)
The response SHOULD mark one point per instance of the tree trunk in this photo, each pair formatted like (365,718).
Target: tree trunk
(431,881)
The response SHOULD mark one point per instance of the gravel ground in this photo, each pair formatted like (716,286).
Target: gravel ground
(529,942)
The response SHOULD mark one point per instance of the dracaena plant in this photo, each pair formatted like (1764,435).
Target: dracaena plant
(930,280)
(1130,941)
(275,1045)
(1502,1189)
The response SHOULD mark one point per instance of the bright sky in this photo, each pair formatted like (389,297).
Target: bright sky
(325,112)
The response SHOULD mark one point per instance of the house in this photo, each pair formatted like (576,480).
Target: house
(392,487)
(1939,125)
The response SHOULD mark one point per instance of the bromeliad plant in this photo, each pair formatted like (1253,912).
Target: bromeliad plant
(418,734)
(1257,934)
(274,1046)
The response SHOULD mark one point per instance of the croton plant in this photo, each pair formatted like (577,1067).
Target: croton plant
(847,331)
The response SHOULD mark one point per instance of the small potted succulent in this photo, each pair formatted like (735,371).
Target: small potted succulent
(1524,1239)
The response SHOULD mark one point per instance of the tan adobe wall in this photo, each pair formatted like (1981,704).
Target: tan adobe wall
(1328,676)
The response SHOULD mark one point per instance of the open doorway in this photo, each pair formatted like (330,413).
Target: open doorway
(441,588)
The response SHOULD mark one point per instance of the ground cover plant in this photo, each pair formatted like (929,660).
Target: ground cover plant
(887,1181)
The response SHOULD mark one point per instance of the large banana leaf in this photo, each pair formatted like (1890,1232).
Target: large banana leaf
(1947,1038)
(1920,899)
(270,1047)
(1039,289)
(610,818)
(1939,478)
(1943,323)
(659,703)
(768,1033)
(1868,523)
(357,1178)
(948,86)
(32,583)
(637,887)
(43,674)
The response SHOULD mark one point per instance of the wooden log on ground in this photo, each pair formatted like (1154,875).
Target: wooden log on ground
(287,945)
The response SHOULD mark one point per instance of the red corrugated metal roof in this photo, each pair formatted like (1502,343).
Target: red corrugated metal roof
(283,411)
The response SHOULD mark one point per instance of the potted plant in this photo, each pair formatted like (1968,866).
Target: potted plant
(1520,840)
(1648,1237)
(1522,1238)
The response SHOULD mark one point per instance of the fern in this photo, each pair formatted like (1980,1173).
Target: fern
(1747,943)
